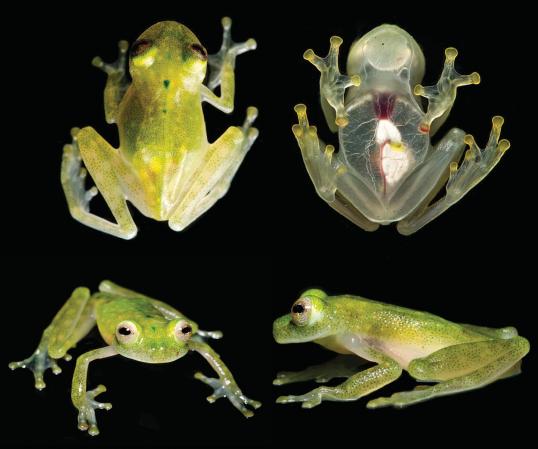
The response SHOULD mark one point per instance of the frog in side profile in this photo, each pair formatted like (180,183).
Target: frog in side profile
(457,357)
(134,326)
(386,169)
(164,165)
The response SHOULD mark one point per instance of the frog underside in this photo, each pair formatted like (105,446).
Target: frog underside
(386,157)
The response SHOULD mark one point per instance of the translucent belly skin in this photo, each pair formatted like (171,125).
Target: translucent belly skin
(386,169)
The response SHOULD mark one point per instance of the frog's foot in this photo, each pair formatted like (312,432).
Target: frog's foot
(86,411)
(309,400)
(38,363)
(250,132)
(403,399)
(117,67)
(224,388)
(321,166)
(332,83)
(477,162)
(215,335)
(340,367)
(74,175)
(229,50)
(441,96)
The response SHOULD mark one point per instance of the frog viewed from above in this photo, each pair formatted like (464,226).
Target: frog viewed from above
(386,169)
(457,357)
(164,164)
(134,326)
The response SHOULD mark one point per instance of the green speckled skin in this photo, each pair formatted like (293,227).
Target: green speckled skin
(458,357)
(134,326)
(164,165)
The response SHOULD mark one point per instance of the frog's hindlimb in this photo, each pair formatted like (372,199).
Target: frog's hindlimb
(100,159)
(73,321)
(441,97)
(460,368)
(117,82)
(341,366)
(225,386)
(324,169)
(355,387)
(222,66)
(212,178)
(332,83)
(84,400)
(503,333)
(476,164)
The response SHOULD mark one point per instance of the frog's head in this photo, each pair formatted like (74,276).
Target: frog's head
(154,341)
(388,48)
(311,318)
(166,53)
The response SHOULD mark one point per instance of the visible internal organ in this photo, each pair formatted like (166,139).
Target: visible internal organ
(393,158)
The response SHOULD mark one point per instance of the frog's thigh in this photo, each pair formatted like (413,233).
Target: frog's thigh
(324,170)
(74,320)
(502,333)
(481,362)
(342,205)
(102,161)
(212,178)
(465,367)
(448,150)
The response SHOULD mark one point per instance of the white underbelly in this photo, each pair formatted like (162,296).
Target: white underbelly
(401,352)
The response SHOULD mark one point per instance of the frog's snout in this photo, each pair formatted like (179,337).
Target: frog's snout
(279,328)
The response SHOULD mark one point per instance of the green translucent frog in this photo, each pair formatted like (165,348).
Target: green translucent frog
(164,165)
(457,357)
(134,326)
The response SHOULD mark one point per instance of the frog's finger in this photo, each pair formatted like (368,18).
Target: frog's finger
(215,335)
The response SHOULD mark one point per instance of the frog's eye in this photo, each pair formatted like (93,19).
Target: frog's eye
(199,51)
(183,330)
(126,332)
(140,47)
(301,311)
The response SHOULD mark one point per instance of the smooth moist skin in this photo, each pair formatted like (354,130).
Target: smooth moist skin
(134,326)
(386,169)
(457,357)
(164,166)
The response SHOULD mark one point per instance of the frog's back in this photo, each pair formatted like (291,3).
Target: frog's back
(160,119)
(158,149)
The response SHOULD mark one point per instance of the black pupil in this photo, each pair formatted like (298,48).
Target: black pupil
(199,49)
(298,308)
(140,46)
(124,331)
(186,330)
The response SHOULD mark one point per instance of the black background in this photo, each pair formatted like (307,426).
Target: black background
(246,260)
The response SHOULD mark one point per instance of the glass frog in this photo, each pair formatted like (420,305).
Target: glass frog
(386,169)
(134,326)
(164,165)
(457,357)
